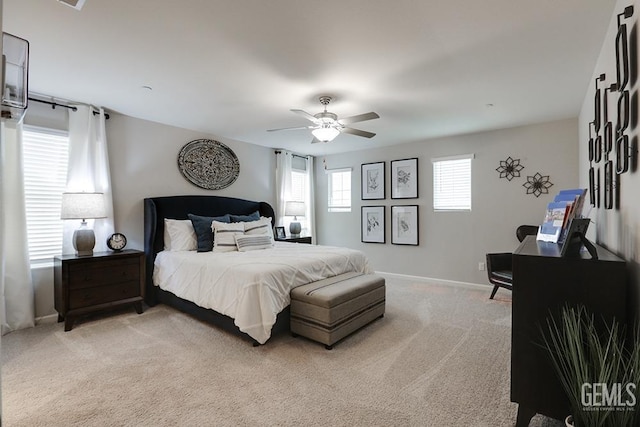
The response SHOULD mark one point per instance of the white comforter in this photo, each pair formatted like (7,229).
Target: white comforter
(251,287)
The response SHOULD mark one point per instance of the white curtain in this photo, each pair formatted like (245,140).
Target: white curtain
(88,170)
(311,197)
(283,183)
(17,309)
(284,192)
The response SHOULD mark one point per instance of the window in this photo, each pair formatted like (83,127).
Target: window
(452,183)
(339,190)
(45,158)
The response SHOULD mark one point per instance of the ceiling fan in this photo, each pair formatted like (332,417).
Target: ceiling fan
(326,125)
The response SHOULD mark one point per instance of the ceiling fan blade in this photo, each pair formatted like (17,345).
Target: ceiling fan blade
(357,132)
(359,118)
(306,115)
(293,128)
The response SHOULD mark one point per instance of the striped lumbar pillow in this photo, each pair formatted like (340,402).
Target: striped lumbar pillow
(259,227)
(224,235)
(253,242)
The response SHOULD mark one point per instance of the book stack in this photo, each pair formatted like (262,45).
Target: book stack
(566,206)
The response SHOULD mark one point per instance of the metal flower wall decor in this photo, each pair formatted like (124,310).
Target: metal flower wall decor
(537,184)
(509,168)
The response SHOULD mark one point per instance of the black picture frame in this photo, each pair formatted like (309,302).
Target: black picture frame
(404,178)
(575,239)
(372,224)
(280,233)
(405,228)
(372,181)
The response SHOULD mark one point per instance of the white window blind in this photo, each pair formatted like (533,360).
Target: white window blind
(45,157)
(452,183)
(299,193)
(339,190)
(298,186)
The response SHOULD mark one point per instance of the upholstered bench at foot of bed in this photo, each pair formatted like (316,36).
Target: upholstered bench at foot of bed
(328,310)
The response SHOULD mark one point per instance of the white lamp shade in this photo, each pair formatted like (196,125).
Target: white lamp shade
(325,134)
(83,206)
(294,209)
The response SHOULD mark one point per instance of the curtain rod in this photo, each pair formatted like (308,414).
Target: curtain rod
(70,107)
(293,154)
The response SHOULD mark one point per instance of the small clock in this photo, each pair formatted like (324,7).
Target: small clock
(117,241)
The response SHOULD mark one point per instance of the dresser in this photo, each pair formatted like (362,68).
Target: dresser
(85,284)
(543,282)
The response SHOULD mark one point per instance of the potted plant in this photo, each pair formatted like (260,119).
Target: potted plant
(598,368)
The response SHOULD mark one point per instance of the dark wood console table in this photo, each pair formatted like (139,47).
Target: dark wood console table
(543,282)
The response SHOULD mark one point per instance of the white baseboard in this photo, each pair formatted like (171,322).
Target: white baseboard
(429,280)
(51,318)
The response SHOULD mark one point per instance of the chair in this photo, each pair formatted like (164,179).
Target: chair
(499,264)
(526,230)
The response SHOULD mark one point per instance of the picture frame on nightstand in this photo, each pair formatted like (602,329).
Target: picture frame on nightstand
(280,233)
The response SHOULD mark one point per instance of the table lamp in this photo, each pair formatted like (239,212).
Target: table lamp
(83,206)
(294,209)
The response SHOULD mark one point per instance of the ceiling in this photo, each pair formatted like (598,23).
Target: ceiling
(233,69)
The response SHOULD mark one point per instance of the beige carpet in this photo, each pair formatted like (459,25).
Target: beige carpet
(439,357)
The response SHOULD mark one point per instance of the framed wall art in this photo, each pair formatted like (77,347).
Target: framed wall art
(373,224)
(404,179)
(404,225)
(372,181)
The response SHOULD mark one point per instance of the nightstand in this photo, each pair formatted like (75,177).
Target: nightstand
(305,239)
(84,284)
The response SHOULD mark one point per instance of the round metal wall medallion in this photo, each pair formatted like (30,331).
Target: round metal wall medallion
(208,164)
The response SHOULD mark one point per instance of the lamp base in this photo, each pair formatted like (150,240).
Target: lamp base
(295,229)
(84,240)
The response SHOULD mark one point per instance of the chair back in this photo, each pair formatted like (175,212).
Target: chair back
(526,230)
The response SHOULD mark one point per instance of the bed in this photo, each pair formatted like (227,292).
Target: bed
(256,284)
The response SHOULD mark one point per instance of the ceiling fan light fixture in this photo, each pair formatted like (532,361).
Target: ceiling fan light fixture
(325,133)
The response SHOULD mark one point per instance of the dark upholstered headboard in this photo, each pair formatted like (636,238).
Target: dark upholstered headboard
(156,209)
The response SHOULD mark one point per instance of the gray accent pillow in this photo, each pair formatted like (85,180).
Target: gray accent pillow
(245,218)
(204,233)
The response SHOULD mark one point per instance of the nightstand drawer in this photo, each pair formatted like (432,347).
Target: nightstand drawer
(104,273)
(94,296)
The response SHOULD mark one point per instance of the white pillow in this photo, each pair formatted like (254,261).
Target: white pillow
(253,242)
(179,235)
(224,235)
(260,227)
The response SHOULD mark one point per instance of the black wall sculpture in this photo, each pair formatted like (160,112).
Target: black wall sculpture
(509,168)
(610,151)
(537,184)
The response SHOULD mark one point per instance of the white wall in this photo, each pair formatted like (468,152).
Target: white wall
(1,222)
(143,157)
(617,229)
(143,163)
(452,244)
